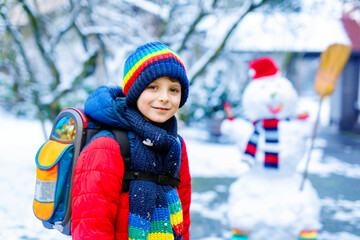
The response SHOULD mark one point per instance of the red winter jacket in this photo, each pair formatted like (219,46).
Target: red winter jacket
(99,209)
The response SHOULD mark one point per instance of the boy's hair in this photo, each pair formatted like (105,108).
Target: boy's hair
(149,62)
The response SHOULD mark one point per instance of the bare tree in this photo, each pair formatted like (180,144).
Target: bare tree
(58,52)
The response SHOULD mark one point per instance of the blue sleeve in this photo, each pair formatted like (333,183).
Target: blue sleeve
(99,104)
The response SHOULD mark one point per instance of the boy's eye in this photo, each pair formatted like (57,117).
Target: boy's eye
(175,90)
(151,87)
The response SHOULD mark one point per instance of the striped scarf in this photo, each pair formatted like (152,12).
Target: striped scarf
(155,210)
(271,147)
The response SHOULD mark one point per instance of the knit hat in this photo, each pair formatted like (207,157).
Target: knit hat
(149,62)
(263,67)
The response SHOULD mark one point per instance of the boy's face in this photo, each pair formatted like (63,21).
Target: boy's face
(160,100)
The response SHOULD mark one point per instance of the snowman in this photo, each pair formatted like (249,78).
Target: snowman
(266,202)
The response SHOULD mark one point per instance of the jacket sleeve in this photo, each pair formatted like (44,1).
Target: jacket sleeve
(185,191)
(96,190)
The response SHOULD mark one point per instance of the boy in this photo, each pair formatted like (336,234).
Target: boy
(155,85)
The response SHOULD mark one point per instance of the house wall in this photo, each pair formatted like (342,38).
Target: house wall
(350,94)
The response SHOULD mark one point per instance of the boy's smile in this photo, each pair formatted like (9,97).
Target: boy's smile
(160,109)
(160,100)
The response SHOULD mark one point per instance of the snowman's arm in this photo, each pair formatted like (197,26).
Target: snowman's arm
(236,129)
(306,127)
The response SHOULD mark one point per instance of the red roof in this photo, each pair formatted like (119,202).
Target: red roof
(352,29)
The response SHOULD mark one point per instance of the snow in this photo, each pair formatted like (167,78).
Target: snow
(19,143)
(162,11)
(312,33)
(313,29)
(205,199)
(332,165)
(225,157)
(21,138)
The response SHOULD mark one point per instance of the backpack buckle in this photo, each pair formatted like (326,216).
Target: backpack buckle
(136,175)
(163,180)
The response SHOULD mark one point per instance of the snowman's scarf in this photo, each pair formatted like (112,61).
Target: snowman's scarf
(271,147)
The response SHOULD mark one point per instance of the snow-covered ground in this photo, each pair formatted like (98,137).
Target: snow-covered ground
(21,139)
(218,163)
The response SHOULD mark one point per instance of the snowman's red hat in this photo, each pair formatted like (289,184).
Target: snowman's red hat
(263,67)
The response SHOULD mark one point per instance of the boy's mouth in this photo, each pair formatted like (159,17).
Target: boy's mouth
(161,108)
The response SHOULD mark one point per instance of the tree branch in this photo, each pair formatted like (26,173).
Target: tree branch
(191,29)
(37,34)
(18,42)
(88,69)
(100,40)
(223,43)
(54,40)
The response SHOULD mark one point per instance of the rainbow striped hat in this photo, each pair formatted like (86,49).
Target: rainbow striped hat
(149,62)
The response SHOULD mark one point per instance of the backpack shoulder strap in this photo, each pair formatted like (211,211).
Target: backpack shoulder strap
(123,141)
(122,138)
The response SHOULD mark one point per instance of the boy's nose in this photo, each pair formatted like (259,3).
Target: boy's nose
(163,96)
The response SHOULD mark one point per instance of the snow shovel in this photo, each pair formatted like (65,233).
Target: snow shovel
(332,62)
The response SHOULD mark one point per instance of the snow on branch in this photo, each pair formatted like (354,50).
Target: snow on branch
(71,23)
(40,44)
(18,42)
(215,52)
(161,11)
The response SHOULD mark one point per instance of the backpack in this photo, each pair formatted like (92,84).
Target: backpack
(56,160)
(55,163)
